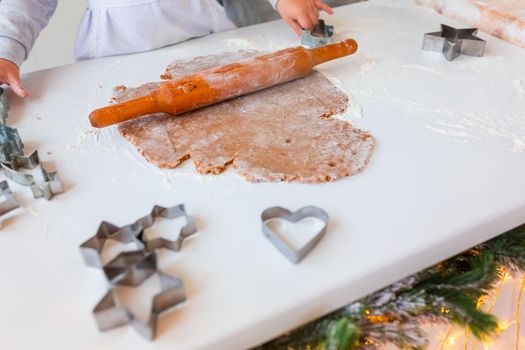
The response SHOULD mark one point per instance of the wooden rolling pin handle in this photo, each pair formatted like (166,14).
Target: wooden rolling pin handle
(333,51)
(120,112)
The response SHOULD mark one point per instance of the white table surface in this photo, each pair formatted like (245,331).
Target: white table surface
(448,173)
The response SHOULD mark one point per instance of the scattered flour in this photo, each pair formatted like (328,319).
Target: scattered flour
(242,44)
(91,140)
(353,109)
(420,67)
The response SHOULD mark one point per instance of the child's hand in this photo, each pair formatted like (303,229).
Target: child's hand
(302,13)
(10,75)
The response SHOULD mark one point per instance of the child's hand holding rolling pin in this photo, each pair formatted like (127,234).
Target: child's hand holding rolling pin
(302,13)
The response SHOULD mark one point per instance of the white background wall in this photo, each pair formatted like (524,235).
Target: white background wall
(55,45)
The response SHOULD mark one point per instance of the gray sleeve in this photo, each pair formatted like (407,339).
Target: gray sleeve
(21,21)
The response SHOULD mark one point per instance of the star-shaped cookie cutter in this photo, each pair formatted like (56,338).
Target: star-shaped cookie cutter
(177,211)
(129,268)
(321,35)
(18,162)
(453,42)
(9,202)
(109,314)
(12,159)
(292,254)
(51,186)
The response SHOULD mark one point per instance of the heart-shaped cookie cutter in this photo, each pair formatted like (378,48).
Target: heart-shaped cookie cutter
(292,254)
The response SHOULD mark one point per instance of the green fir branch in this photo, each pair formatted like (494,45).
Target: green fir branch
(448,291)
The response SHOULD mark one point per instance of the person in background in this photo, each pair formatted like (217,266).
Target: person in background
(113,27)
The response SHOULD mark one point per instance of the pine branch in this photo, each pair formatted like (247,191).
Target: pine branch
(509,250)
(448,291)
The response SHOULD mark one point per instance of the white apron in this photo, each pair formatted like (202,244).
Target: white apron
(113,27)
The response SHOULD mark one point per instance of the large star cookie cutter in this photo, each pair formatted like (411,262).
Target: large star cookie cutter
(291,253)
(109,314)
(129,268)
(453,42)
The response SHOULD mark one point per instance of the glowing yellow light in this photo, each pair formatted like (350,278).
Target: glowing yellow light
(369,342)
(468,334)
(444,310)
(451,341)
(367,312)
(445,337)
(503,325)
(379,318)
(481,300)
(518,307)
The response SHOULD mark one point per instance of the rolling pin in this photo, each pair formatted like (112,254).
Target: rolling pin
(222,83)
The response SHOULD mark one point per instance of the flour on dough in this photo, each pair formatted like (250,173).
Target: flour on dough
(284,133)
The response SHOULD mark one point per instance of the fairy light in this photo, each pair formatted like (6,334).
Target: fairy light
(518,307)
(445,337)
(468,335)
(379,318)
(369,342)
(452,339)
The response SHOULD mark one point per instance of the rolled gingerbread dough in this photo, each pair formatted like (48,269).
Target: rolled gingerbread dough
(284,133)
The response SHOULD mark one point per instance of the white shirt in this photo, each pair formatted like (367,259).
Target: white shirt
(111,27)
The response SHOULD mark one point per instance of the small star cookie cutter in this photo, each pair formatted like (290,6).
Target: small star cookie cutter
(9,202)
(292,254)
(177,211)
(321,35)
(51,186)
(110,315)
(133,267)
(453,42)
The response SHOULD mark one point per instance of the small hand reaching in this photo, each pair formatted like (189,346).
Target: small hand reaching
(302,14)
(10,75)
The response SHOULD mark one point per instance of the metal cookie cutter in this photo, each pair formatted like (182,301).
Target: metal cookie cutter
(12,159)
(319,36)
(109,314)
(9,203)
(10,144)
(453,42)
(294,255)
(52,184)
(4,106)
(17,162)
(174,212)
(128,268)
